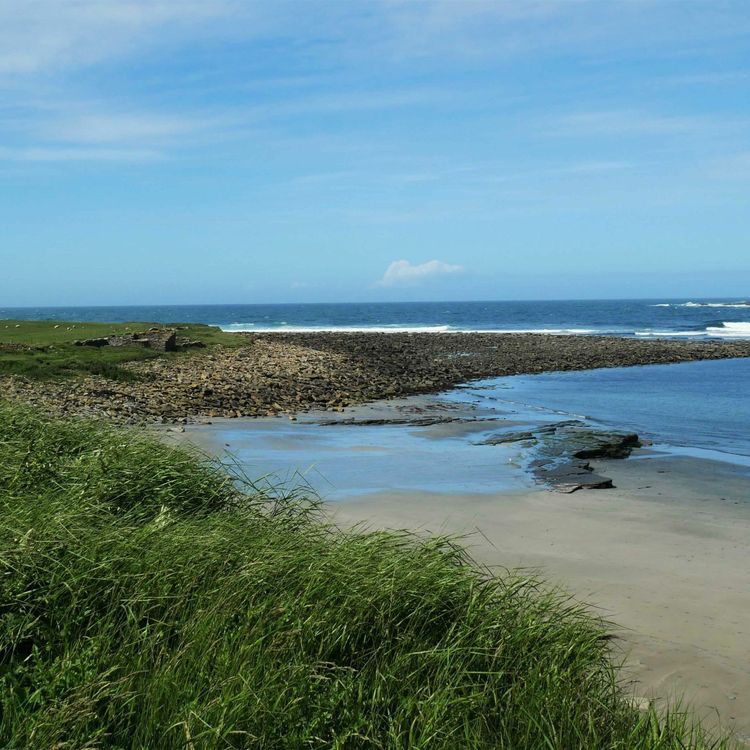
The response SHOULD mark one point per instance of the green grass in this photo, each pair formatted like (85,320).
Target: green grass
(150,600)
(44,349)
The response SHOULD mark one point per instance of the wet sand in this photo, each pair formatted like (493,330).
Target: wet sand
(664,555)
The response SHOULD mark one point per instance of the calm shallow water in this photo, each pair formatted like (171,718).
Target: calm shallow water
(341,461)
(702,405)
(698,408)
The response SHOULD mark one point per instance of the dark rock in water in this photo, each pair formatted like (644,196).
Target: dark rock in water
(572,476)
(562,449)
(609,445)
(508,437)
(519,436)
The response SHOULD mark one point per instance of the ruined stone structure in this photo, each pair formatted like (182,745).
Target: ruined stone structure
(158,339)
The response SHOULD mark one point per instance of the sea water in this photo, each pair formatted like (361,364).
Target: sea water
(708,318)
(703,405)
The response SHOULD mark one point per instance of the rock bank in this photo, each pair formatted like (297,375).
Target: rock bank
(287,373)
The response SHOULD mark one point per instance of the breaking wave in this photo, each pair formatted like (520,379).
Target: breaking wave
(728,330)
(284,328)
(739,304)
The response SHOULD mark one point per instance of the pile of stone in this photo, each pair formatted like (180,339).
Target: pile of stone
(287,373)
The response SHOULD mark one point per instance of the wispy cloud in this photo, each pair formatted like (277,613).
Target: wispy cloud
(52,154)
(708,78)
(574,169)
(402,272)
(58,107)
(500,30)
(633,122)
(621,122)
(41,122)
(40,35)
(123,127)
(734,167)
(359,101)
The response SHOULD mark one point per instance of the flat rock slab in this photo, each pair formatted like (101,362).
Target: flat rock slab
(407,421)
(414,421)
(571,476)
(563,449)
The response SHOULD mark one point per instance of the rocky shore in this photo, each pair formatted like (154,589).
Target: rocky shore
(285,373)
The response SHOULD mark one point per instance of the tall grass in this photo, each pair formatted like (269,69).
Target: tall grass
(147,602)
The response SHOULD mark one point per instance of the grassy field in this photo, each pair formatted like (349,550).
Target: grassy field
(45,348)
(150,600)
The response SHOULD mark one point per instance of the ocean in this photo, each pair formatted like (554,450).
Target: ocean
(695,318)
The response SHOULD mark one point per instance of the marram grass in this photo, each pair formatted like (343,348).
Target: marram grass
(147,602)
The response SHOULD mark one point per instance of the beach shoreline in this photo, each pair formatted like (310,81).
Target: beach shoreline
(662,556)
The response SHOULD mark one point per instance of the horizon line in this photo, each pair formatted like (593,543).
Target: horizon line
(375,302)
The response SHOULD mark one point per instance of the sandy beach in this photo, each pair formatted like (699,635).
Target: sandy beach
(663,555)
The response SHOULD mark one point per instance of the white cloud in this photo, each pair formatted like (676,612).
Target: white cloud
(403,272)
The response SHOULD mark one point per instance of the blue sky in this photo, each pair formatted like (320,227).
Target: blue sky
(223,151)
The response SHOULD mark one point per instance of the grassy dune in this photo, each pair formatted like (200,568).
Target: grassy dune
(147,602)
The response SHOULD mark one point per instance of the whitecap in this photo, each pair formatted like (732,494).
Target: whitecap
(738,304)
(399,328)
(669,334)
(550,331)
(395,328)
(727,330)
(731,329)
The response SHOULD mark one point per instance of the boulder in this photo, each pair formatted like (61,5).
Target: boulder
(92,342)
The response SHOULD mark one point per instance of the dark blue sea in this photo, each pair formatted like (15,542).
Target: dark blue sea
(719,318)
(696,406)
